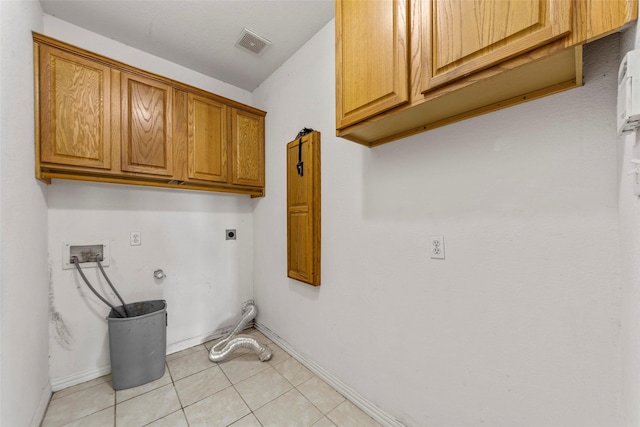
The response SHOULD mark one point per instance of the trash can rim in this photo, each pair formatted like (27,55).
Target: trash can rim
(163,307)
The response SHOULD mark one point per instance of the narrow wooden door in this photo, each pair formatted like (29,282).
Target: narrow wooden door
(75,122)
(207,139)
(247,142)
(146,125)
(460,37)
(303,209)
(371,58)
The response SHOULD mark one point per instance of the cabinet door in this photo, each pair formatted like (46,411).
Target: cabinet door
(371,58)
(247,142)
(460,37)
(75,118)
(303,209)
(146,126)
(207,139)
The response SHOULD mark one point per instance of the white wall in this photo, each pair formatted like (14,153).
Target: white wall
(520,325)
(24,385)
(629,212)
(527,322)
(183,233)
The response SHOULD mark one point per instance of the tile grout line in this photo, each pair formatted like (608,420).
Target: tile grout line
(355,398)
(266,403)
(51,400)
(251,411)
(323,414)
(294,387)
(182,407)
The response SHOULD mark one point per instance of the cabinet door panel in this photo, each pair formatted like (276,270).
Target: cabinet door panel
(75,128)
(247,139)
(303,209)
(146,126)
(299,261)
(465,36)
(371,58)
(207,140)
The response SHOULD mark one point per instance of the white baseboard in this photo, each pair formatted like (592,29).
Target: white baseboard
(356,398)
(58,384)
(41,410)
(190,342)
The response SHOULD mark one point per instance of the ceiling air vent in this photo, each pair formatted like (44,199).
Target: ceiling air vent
(252,42)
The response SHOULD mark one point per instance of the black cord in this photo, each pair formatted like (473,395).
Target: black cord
(300,164)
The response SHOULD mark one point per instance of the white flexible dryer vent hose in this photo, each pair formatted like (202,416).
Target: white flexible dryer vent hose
(223,349)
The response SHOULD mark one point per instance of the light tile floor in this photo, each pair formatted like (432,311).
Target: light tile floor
(239,392)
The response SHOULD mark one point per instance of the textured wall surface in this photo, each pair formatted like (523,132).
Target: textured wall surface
(531,320)
(520,324)
(629,210)
(183,233)
(24,348)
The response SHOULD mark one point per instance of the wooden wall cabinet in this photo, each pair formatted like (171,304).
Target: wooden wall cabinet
(463,58)
(100,120)
(226,145)
(303,209)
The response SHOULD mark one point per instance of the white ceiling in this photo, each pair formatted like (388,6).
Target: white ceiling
(201,34)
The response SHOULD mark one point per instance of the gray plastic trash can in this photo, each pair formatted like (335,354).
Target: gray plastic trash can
(138,343)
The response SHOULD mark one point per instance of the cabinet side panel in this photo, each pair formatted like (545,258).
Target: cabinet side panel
(36,110)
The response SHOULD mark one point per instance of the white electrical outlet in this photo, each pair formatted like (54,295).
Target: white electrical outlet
(136,238)
(436,247)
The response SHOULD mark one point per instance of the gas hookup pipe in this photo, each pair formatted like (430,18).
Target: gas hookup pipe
(223,349)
